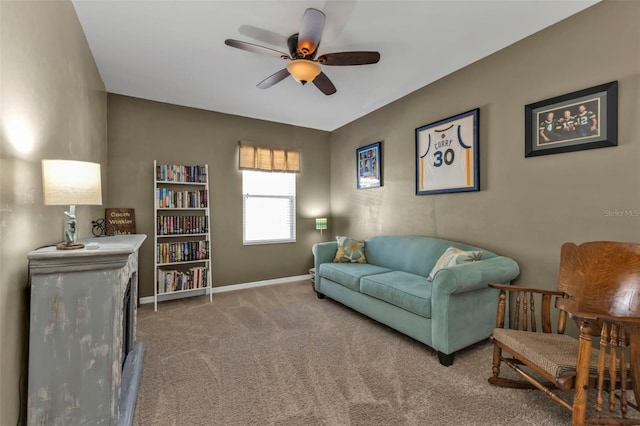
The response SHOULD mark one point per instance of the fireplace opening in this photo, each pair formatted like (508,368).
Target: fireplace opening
(132,355)
(127,324)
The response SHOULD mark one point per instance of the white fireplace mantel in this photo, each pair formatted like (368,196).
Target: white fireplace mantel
(81,330)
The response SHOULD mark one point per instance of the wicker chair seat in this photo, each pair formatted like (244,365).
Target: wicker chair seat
(557,354)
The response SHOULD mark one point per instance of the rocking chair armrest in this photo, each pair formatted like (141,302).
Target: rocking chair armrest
(526,289)
(575,312)
(529,315)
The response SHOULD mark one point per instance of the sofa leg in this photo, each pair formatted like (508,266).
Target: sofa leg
(320,295)
(446,360)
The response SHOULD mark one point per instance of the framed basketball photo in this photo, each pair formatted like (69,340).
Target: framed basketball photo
(369,166)
(447,155)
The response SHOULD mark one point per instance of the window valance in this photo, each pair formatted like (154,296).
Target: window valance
(266,158)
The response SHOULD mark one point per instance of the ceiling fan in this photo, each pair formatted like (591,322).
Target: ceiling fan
(303,47)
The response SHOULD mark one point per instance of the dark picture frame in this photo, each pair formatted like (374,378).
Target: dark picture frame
(369,166)
(586,119)
(448,156)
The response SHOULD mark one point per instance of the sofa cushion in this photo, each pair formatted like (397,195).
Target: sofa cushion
(349,274)
(350,250)
(407,291)
(410,253)
(454,256)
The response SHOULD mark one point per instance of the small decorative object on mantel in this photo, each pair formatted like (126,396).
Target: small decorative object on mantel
(585,119)
(447,158)
(369,166)
(120,221)
(100,228)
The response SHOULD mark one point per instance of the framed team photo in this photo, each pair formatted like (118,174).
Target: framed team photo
(585,119)
(369,166)
(447,155)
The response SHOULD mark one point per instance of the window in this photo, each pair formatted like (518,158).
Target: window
(269,207)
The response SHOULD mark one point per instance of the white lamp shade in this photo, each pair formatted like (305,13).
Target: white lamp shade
(67,182)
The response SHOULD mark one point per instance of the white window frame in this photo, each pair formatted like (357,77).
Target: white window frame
(260,220)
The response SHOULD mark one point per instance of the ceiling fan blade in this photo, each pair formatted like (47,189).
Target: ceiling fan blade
(262,35)
(273,79)
(310,31)
(325,85)
(349,58)
(250,47)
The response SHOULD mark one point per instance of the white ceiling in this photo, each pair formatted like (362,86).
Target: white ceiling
(173,50)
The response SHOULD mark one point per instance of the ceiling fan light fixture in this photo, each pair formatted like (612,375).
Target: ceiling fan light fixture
(306,47)
(303,70)
(303,46)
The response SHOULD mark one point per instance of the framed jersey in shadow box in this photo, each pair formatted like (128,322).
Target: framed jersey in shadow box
(447,155)
(585,119)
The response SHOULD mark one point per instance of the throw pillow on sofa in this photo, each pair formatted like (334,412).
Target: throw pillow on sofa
(350,250)
(454,256)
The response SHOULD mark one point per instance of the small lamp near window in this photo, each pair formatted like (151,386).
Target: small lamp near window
(321,223)
(72,183)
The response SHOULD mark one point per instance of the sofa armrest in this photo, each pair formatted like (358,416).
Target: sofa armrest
(463,306)
(323,253)
(475,275)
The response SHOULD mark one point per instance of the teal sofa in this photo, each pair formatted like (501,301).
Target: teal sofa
(455,310)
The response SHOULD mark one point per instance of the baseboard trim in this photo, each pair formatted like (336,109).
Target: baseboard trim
(232,287)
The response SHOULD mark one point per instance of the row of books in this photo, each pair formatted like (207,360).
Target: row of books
(168,198)
(175,225)
(185,251)
(170,280)
(176,173)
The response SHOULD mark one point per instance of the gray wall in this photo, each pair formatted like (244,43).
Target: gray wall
(527,207)
(141,131)
(53,105)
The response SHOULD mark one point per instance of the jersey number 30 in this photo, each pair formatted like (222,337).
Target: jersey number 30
(448,157)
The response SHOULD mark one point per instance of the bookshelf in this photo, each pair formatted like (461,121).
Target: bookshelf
(182,237)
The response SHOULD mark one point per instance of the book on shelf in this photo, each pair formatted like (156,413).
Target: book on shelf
(173,280)
(184,251)
(169,198)
(178,173)
(181,225)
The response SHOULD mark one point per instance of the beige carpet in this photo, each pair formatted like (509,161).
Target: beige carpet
(277,355)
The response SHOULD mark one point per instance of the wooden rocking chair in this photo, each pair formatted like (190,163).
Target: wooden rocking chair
(599,288)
